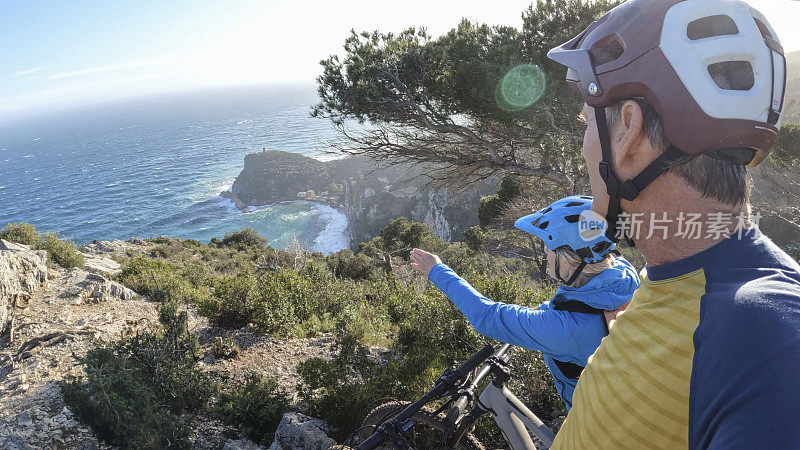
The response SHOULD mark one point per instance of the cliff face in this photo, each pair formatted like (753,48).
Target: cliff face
(22,271)
(370,195)
(273,176)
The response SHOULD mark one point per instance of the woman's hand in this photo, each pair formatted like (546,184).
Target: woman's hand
(423,262)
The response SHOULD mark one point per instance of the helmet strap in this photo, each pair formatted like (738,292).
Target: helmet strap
(630,189)
(574,275)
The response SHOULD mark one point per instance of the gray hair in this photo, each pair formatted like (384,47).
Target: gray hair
(570,260)
(719,178)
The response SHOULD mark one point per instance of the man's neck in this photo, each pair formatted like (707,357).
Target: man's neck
(667,211)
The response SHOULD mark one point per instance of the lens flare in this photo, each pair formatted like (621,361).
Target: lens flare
(521,87)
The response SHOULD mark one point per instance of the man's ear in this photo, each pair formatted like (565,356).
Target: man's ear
(627,136)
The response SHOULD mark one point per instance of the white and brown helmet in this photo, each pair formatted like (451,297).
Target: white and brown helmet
(713,70)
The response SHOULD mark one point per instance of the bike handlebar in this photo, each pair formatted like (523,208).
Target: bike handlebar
(447,382)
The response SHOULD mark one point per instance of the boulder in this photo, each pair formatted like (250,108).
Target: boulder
(99,264)
(298,431)
(22,271)
(98,289)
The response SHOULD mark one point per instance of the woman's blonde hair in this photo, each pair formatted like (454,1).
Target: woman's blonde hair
(570,261)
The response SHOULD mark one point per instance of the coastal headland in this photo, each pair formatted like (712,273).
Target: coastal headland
(369,194)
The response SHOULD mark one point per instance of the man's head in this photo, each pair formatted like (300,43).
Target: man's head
(693,88)
(637,138)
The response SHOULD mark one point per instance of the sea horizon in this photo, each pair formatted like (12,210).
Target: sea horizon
(155,166)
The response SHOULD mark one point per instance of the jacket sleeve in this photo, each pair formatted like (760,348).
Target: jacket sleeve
(544,330)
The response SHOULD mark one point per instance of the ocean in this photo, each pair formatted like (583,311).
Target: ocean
(155,167)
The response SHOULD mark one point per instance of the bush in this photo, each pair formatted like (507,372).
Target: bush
(21,233)
(61,252)
(400,237)
(346,264)
(279,303)
(247,237)
(510,189)
(115,400)
(255,407)
(232,302)
(133,391)
(491,206)
(475,237)
(163,281)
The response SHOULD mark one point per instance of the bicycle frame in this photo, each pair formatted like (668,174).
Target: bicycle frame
(514,418)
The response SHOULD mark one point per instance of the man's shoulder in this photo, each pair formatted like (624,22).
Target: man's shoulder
(747,351)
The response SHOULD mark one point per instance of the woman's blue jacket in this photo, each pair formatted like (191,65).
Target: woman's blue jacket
(559,335)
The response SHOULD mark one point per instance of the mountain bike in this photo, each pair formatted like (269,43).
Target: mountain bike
(416,425)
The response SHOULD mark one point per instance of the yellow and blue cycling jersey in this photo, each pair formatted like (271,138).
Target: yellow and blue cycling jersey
(707,355)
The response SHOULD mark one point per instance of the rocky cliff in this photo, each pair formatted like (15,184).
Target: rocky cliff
(22,271)
(370,195)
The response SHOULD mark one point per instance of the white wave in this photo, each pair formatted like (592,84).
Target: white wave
(228,203)
(225,187)
(334,236)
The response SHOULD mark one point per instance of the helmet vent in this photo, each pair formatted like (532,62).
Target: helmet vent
(573,218)
(763,29)
(732,75)
(544,225)
(605,51)
(571,204)
(711,26)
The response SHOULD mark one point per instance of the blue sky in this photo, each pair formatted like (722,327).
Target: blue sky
(57,52)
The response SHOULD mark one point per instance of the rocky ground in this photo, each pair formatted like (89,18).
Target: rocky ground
(56,321)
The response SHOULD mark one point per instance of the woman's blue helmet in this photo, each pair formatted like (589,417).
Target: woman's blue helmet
(571,223)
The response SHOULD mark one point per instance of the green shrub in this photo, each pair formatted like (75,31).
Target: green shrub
(510,189)
(134,390)
(400,237)
(160,240)
(167,250)
(346,264)
(246,237)
(490,207)
(116,401)
(169,360)
(61,252)
(21,233)
(232,302)
(474,237)
(279,303)
(163,281)
(284,299)
(255,406)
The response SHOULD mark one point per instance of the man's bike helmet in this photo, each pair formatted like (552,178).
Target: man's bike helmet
(569,223)
(713,70)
